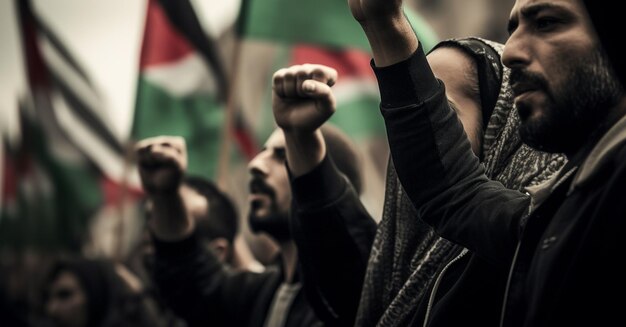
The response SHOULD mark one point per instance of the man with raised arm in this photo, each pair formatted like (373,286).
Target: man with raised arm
(560,243)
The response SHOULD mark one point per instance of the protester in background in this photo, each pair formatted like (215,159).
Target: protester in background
(84,292)
(569,101)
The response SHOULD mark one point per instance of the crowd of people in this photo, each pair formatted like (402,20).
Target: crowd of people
(503,201)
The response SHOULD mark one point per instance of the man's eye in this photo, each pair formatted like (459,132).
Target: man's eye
(280,154)
(546,23)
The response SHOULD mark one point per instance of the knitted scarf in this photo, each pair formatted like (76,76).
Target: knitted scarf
(407,254)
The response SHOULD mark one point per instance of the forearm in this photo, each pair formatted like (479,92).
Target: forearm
(437,168)
(169,220)
(304,151)
(391,39)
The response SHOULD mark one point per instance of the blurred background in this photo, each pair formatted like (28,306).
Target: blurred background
(81,80)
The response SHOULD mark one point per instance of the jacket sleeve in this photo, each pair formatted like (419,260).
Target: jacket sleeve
(437,168)
(199,288)
(334,234)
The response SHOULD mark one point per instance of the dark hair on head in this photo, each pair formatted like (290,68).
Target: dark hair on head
(344,153)
(97,278)
(109,299)
(221,219)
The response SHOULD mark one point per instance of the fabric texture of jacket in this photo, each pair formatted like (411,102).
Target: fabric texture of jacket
(205,293)
(334,234)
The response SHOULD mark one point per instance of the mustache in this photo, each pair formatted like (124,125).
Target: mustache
(258,185)
(522,80)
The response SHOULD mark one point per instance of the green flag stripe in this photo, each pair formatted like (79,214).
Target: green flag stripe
(323,22)
(197,118)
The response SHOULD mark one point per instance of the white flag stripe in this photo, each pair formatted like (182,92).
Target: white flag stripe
(349,89)
(108,160)
(56,138)
(192,76)
(60,67)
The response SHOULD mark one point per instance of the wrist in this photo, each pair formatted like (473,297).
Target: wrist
(304,151)
(391,39)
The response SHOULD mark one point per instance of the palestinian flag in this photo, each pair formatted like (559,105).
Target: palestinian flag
(57,174)
(183,86)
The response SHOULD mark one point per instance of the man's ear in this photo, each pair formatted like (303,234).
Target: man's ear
(221,248)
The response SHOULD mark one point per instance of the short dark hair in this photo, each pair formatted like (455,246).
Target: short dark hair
(222,218)
(344,153)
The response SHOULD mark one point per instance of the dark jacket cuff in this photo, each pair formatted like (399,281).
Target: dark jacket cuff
(322,185)
(406,82)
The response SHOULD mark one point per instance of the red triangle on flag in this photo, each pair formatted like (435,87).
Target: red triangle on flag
(162,43)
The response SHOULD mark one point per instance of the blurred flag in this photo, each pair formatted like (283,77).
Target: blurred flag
(183,87)
(54,173)
(323,32)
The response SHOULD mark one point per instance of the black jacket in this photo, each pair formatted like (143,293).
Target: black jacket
(205,293)
(334,234)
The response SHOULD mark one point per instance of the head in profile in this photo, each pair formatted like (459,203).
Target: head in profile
(270,192)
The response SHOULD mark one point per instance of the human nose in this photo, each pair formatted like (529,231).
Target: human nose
(258,165)
(517,51)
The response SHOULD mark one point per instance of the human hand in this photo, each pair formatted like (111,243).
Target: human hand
(365,11)
(162,163)
(302,99)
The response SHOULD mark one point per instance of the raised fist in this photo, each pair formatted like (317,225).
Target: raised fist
(302,99)
(162,163)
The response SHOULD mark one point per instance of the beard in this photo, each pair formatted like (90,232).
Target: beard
(575,110)
(276,222)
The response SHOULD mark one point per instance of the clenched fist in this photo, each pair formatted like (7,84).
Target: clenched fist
(162,163)
(302,99)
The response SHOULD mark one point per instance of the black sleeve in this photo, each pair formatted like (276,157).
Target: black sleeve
(437,168)
(334,234)
(200,289)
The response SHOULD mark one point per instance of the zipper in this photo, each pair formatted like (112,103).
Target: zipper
(437,281)
(508,285)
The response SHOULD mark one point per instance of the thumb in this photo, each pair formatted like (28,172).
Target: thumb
(319,91)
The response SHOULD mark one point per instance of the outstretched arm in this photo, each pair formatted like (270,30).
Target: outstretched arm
(190,278)
(332,229)
(162,165)
(430,150)
(302,102)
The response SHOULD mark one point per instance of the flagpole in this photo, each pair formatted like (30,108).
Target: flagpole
(228,131)
(223,165)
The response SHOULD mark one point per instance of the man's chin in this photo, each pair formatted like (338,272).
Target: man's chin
(275,225)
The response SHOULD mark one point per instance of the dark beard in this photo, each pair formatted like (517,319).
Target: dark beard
(574,111)
(275,224)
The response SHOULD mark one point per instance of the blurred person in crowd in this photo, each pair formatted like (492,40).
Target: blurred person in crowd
(191,279)
(558,242)
(216,219)
(12,312)
(88,292)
